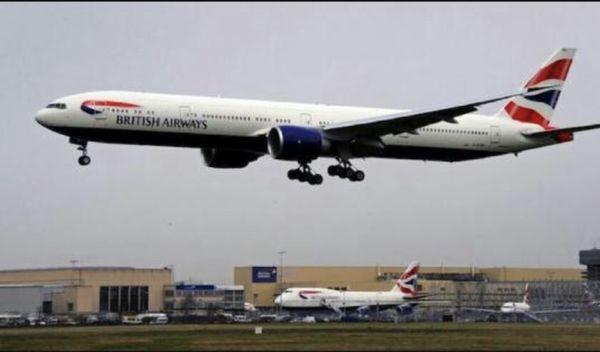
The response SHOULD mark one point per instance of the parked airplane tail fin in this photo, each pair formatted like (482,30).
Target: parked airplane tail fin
(589,296)
(543,90)
(526,295)
(407,284)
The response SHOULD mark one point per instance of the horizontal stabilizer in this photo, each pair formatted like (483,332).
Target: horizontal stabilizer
(559,131)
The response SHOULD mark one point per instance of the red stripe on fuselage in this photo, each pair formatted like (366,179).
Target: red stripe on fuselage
(556,70)
(522,114)
(110,103)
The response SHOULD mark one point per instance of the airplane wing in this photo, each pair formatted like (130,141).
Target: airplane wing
(403,122)
(558,131)
(555,311)
(330,305)
(418,296)
(530,315)
(363,309)
(483,310)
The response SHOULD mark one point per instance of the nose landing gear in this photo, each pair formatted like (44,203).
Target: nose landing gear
(345,170)
(305,174)
(84,159)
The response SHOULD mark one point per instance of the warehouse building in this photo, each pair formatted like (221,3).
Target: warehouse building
(28,298)
(79,290)
(462,286)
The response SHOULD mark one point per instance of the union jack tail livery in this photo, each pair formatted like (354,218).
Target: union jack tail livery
(407,284)
(543,90)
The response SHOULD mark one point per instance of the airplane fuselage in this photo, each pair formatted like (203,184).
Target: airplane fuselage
(236,124)
(515,307)
(321,298)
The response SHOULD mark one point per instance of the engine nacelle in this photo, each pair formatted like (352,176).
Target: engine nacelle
(405,309)
(296,143)
(227,159)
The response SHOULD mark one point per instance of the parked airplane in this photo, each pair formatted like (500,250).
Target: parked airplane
(520,308)
(590,299)
(403,296)
(249,307)
(231,133)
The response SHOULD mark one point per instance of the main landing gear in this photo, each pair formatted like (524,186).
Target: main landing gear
(84,159)
(305,174)
(345,170)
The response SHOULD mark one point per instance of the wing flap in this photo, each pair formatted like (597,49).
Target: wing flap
(482,310)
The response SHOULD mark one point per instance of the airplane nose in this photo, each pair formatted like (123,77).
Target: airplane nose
(278,300)
(43,117)
(39,117)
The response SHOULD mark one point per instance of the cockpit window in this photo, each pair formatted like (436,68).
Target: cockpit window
(56,106)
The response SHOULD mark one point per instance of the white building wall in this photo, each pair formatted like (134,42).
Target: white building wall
(27,299)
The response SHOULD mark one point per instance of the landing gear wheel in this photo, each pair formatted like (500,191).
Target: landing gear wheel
(358,176)
(303,177)
(293,174)
(341,172)
(344,169)
(84,160)
(315,179)
(304,174)
(332,170)
(349,173)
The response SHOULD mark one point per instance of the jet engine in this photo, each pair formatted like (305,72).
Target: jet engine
(296,143)
(227,159)
(405,309)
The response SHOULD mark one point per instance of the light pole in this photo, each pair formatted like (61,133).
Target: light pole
(280,274)
(74,263)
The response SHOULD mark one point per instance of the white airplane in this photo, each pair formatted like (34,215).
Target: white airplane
(231,133)
(403,296)
(590,299)
(249,307)
(522,308)
(152,318)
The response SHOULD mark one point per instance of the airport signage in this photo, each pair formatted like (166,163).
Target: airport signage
(264,274)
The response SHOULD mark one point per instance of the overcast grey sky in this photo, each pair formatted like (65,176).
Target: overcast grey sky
(152,206)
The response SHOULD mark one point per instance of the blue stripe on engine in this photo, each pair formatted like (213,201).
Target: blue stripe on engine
(549,97)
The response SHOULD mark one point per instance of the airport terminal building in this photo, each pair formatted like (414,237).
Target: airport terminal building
(80,290)
(128,290)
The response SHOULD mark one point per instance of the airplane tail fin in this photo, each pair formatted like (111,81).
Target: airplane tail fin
(589,296)
(543,90)
(407,283)
(526,295)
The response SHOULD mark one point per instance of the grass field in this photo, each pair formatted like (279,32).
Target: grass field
(354,336)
